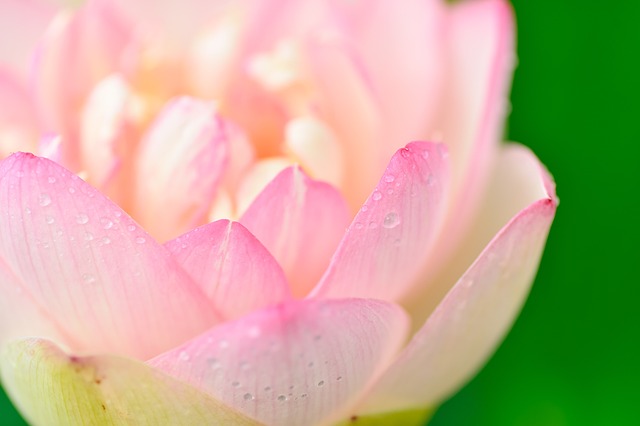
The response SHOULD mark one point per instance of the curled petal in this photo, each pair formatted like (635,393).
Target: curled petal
(180,164)
(295,364)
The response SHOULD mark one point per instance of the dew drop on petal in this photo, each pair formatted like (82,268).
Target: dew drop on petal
(44,200)
(321,383)
(82,218)
(105,240)
(106,223)
(391,220)
(358,225)
(49,219)
(389,178)
(140,240)
(248,397)
(51,179)
(88,278)
(376,196)
(131,228)
(282,398)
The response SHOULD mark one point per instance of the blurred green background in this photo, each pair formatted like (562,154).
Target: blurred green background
(572,357)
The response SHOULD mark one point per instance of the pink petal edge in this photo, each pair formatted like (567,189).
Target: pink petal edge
(97,274)
(299,363)
(235,271)
(301,222)
(474,316)
(388,242)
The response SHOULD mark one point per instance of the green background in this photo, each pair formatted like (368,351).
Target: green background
(571,358)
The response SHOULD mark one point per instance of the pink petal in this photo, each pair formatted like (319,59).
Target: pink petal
(480,66)
(24,21)
(180,163)
(295,364)
(231,267)
(348,106)
(20,315)
(388,242)
(76,52)
(18,122)
(107,282)
(474,316)
(403,61)
(301,222)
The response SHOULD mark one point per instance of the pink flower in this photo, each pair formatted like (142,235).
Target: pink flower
(224,224)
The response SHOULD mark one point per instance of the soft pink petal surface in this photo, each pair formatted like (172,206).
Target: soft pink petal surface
(75,53)
(474,316)
(403,61)
(480,61)
(231,267)
(99,275)
(180,163)
(25,21)
(388,242)
(294,364)
(301,222)
(18,120)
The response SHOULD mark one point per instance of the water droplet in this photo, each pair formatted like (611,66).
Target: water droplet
(117,213)
(282,398)
(390,191)
(72,190)
(131,228)
(376,196)
(358,225)
(373,225)
(304,395)
(389,178)
(27,210)
(235,384)
(317,337)
(44,200)
(425,154)
(310,365)
(82,218)
(364,208)
(339,378)
(391,220)
(214,364)
(51,179)
(140,240)
(19,173)
(321,383)
(105,240)
(184,356)
(88,278)
(248,397)
(405,152)
(267,388)
(106,223)
(49,219)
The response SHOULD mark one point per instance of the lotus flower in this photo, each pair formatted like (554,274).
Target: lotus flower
(213,213)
